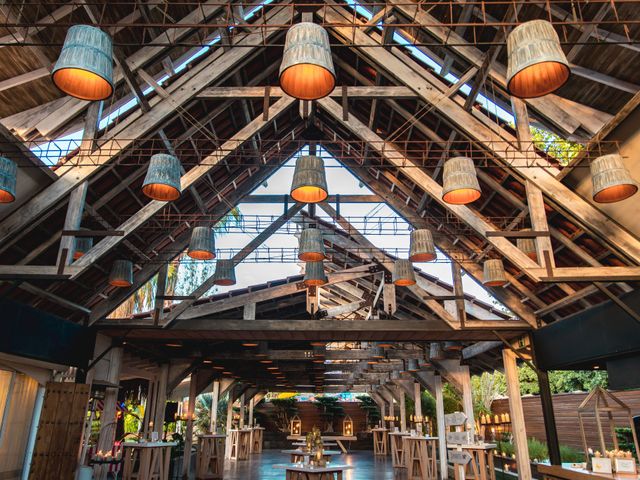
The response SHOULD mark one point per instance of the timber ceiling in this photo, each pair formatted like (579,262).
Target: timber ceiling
(423,133)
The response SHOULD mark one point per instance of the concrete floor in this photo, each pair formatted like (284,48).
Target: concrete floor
(366,467)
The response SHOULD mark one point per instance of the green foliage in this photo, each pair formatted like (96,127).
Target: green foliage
(506,447)
(451,399)
(625,439)
(428,404)
(486,388)
(537,449)
(571,455)
(572,381)
(370,408)
(202,413)
(555,146)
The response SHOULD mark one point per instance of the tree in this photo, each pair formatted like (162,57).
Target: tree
(330,409)
(555,146)
(202,413)
(485,389)
(285,409)
(372,412)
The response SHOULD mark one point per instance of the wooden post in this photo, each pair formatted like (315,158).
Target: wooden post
(215,395)
(517,414)
(188,434)
(467,397)
(241,422)
(249,311)
(108,419)
(229,423)
(553,443)
(442,435)
(403,411)
(417,399)
(456,273)
(161,290)
(389,298)
(251,405)
(163,379)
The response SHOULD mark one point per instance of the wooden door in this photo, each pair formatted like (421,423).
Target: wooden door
(62,419)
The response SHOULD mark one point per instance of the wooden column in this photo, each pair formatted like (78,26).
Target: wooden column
(149,409)
(389,298)
(442,444)
(188,434)
(251,405)
(107,433)
(517,415)
(467,396)
(78,195)
(403,411)
(215,396)
(163,379)
(546,399)
(535,199)
(417,399)
(241,422)
(456,274)
(229,423)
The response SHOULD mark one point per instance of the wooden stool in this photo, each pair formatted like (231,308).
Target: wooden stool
(210,457)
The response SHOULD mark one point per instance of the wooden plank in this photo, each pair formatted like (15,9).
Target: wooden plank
(353,92)
(589,274)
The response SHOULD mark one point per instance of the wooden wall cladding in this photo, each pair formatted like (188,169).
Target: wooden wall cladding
(565,407)
(18,421)
(59,432)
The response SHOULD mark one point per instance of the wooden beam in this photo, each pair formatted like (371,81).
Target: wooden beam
(258,296)
(589,274)
(181,92)
(36,272)
(526,165)
(237,258)
(354,92)
(187,180)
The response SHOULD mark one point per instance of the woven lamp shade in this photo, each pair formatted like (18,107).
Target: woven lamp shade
(202,245)
(611,180)
(314,275)
(422,248)
(84,68)
(81,245)
(452,346)
(162,181)
(121,273)
(494,274)
(435,351)
(311,246)
(528,246)
(309,183)
(8,179)
(306,71)
(225,273)
(403,274)
(460,183)
(412,365)
(537,65)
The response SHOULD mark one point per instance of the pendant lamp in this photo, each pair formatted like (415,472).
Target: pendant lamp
(162,181)
(452,346)
(494,274)
(611,180)
(460,183)
(121,273)
(403,274)
(311,246)
(537,65)
(225,273)
(435,351)
(202,245)
(314,275)
(412,365)
(309,183)
(81,245)
(306,71)
(84,68)
(421,247)
(8,178)
(528,246)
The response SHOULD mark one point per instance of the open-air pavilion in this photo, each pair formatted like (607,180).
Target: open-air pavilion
(207,207)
